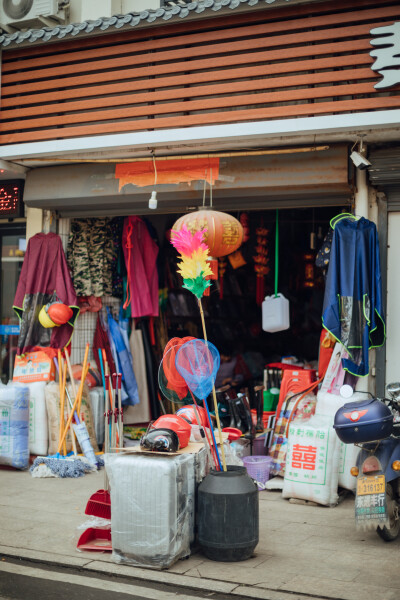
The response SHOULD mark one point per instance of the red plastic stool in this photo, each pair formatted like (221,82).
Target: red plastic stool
(295,381)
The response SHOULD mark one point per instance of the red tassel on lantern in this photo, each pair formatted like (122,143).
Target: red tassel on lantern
(221,271)
(213,262)
(261,263)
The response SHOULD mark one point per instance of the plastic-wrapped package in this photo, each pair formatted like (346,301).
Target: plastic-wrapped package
(38,426)
(96,396)
(293,408)
(240,448)
(312,462)
(153,506)
(231,456)
(14,426)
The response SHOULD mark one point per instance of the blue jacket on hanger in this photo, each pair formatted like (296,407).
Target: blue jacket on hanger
(353,311)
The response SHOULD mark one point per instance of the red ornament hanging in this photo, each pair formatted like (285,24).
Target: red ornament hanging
(244,220)
(213,262)
(309,270)
(221,270)
(261,260)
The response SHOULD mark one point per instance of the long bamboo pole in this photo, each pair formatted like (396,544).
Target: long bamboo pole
(83,376)
(60,386)
(73,388)
(213,392)
(64,389)
(133,159)
(74,408)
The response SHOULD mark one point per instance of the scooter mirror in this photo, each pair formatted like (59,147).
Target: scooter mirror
(393,389)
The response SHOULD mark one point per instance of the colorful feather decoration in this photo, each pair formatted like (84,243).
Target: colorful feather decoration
(194,253)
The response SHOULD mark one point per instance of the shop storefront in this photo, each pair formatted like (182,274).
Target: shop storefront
(257,66)
(308,185)
(252,113)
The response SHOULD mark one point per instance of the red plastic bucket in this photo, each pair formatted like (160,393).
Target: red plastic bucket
(266,417)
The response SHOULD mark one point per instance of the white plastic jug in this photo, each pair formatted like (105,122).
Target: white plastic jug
(275,313)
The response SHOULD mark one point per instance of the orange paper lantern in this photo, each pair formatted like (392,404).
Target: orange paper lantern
(224,232)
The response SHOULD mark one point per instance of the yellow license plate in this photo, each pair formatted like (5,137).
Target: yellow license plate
(370,484)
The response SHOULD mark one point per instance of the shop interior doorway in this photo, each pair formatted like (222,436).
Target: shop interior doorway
(12,247)
(232,312)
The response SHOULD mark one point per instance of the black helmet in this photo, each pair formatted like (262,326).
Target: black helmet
(160,440)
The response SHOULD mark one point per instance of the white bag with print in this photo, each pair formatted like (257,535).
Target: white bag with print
(312,462)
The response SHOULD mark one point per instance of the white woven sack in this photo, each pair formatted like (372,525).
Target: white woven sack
(327,405)
(38,427)
(348,454)
(312,462)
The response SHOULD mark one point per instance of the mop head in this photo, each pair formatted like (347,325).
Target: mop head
(61,467)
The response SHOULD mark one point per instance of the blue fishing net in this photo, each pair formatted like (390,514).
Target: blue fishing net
(197,362)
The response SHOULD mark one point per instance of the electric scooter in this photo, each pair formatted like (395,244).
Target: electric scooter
(374,425)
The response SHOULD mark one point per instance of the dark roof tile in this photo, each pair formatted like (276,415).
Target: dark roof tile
(164,13)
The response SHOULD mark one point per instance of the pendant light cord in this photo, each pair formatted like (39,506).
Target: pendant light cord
(276,252)
(155,170)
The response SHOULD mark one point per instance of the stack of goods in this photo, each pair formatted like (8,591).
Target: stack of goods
(317,462)
(153,506)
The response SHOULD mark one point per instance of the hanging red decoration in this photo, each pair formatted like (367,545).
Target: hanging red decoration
(224,233)
(213,262)
(244,220)
(221,270)
(309,270)
(261,260)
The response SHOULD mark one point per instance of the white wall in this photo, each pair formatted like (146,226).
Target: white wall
(139,5)
(393,303)
(86,10)
(34,221)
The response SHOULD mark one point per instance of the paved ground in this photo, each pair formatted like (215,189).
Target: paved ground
(304,551)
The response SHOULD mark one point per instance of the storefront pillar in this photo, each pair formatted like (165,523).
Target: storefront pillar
(34,221)
(361,195)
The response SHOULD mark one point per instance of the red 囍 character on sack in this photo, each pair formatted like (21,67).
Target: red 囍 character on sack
(304,457)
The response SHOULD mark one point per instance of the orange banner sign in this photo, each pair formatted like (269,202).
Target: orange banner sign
(176,171)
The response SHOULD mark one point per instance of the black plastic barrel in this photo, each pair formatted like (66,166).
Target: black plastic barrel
(228,515)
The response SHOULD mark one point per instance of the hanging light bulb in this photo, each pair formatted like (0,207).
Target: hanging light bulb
(153,197)
(153,200)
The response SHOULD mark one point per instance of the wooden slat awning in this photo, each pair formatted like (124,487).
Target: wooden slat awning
(294,61)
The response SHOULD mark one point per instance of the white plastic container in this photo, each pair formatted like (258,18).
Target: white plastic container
(275,313)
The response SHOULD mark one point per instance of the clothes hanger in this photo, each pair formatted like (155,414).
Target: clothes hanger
(342,216)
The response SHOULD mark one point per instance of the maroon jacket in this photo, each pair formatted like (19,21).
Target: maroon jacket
(44,278)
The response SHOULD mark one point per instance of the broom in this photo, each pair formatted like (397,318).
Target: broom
(61,465)
(80,427)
